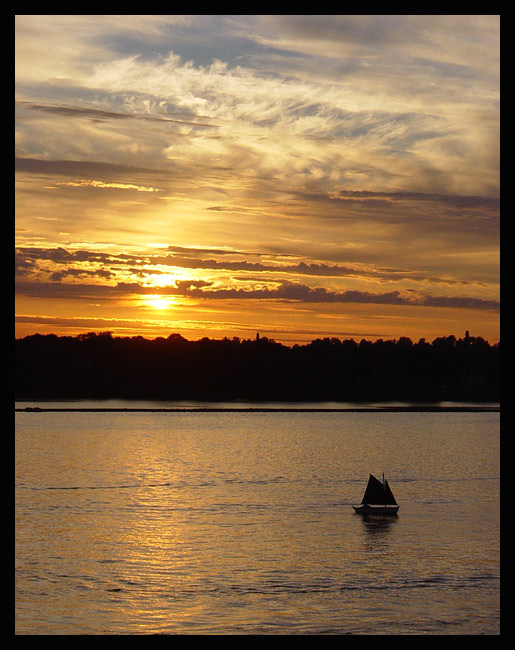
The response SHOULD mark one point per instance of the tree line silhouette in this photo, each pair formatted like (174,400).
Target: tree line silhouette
(100,366)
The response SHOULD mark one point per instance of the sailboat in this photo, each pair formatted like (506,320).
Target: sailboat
(378,499)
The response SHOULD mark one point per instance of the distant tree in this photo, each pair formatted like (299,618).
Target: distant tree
(101,365)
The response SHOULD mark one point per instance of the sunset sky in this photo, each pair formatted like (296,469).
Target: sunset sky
(299,176)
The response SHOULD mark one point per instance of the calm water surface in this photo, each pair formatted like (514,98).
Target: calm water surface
(241,523)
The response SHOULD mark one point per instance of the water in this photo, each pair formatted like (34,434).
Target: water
(241,523)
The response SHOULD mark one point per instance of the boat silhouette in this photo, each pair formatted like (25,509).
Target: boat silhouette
(378,499)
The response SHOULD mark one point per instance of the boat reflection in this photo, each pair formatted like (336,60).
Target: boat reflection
(377,534)
(377,524)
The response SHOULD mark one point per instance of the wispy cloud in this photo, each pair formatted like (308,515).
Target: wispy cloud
(104,185)
(396,113)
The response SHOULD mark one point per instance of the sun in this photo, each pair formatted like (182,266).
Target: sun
(157,302)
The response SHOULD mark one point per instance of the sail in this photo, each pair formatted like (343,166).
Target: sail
(378,493)
(388,496)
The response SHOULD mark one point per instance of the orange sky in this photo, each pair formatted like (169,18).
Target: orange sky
(297,176)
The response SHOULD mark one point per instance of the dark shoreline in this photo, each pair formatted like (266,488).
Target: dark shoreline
(257,409)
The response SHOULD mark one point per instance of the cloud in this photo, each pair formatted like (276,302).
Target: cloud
(28,260)
(58,276)
(284,291)
(69,291)
(97,114)
(298,292)
(455,200)
(79,168)
(441,37)
(104,185)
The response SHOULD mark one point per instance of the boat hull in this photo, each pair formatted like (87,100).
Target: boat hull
(376,510)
